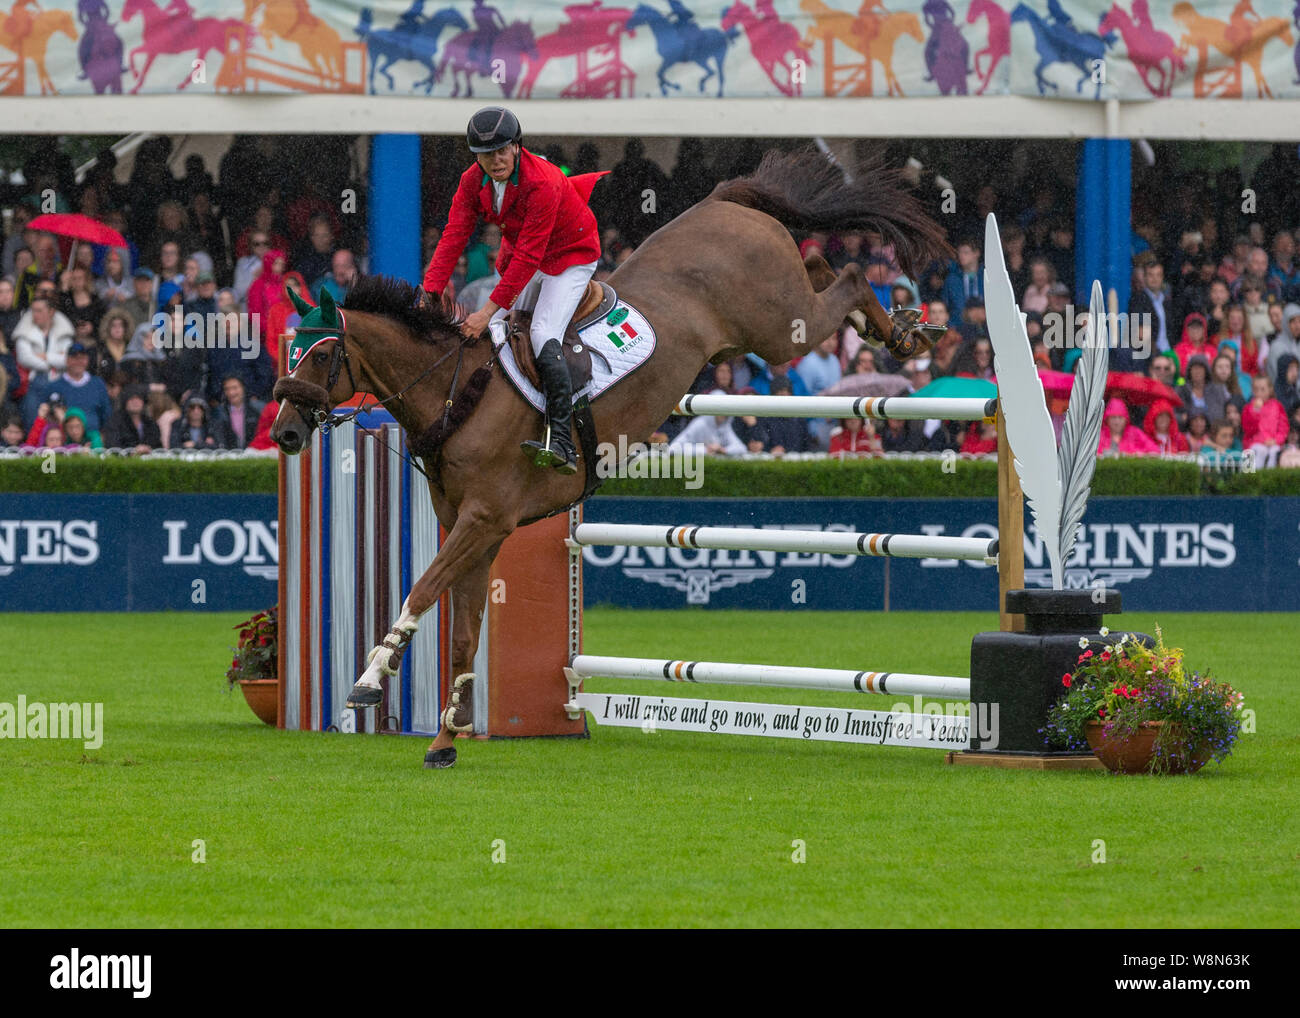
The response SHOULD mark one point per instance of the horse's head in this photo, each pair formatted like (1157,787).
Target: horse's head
(320,376)
(733,15)
(132,8)
(643,15)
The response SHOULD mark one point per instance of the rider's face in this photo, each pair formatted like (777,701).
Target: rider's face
(499,164)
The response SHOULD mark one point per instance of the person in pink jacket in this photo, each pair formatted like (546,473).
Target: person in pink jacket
(1264,424)
(1120,437)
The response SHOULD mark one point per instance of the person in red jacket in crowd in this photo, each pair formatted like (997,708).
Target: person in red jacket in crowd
(1162,428)
(267,288)
(262,439)
(282,311)
(549,249)
(1264,423)
(1193,342)
(855,437)
(981,438)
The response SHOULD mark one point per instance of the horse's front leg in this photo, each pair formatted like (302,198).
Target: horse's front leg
(476,531)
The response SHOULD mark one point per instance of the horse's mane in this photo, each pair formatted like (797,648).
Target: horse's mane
(400,301)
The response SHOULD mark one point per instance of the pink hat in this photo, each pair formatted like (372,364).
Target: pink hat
(1116,408)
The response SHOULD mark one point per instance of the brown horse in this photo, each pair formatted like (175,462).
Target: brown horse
(721,279)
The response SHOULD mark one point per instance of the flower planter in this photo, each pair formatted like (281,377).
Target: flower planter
(1135,754)
(263,696)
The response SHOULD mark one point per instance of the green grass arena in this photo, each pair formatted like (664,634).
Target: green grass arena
(626,828)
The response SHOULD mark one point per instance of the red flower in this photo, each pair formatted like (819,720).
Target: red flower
(1086,653)
(234,663)
(1101,713)
(1122,690)
(1105,655)
(1066,682)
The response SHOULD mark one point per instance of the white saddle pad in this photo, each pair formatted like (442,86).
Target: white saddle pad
(620,342)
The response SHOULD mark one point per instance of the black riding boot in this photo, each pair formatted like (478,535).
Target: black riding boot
(556,449)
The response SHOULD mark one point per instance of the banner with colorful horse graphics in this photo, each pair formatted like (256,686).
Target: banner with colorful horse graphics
(1084,49)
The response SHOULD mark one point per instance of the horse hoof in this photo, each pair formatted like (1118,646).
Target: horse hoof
(364,696)
(440,759)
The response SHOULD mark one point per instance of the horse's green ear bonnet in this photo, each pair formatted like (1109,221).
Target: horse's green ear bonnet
(319,325)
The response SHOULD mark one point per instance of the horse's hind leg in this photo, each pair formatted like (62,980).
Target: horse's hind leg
(821,275)
(468,603)
(814,316)
(468,550)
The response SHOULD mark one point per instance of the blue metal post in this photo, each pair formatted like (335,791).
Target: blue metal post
(1090,219)
(395,206)
(1117,272)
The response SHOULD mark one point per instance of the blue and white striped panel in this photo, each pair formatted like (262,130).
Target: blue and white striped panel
(311,716)
(425,663)
(291,606)
(343,577)
(367,511)
(393,532)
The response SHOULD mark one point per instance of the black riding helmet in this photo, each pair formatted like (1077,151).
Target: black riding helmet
(491,128)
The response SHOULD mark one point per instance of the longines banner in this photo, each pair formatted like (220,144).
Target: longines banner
(206,553)
(1086,49)
(1165,554)
(138,552)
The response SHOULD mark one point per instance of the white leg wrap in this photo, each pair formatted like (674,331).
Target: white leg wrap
(380,658)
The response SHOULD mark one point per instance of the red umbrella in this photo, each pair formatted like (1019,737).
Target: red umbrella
(78,227)
(1139,390)
(1056,384)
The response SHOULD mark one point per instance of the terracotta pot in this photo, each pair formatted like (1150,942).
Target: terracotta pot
(263,695)
(1134,754)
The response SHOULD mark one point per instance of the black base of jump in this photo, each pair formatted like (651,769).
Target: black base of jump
(1015,678)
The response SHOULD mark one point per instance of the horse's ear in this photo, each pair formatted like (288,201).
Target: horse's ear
(327,308)
(302,306)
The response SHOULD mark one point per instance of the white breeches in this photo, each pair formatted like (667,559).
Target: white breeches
(553,300)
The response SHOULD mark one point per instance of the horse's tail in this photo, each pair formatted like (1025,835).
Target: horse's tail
(804,190)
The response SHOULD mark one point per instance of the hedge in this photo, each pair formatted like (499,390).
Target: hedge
(891,478)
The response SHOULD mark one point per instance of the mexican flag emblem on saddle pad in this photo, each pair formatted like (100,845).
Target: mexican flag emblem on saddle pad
(620,342)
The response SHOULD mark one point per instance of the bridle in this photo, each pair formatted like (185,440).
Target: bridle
(326,419)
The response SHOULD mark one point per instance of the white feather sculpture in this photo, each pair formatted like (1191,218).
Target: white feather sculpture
(1024,407)
(1081,430)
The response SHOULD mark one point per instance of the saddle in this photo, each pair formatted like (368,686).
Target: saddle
(598,300)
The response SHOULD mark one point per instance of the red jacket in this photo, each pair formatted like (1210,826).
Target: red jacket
(1175,441)
(1260,423)
(544,219)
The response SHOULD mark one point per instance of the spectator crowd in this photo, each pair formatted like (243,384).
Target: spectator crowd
(1213,363)
(170,341)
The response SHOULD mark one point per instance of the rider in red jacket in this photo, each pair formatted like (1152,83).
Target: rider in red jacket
(549,249)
